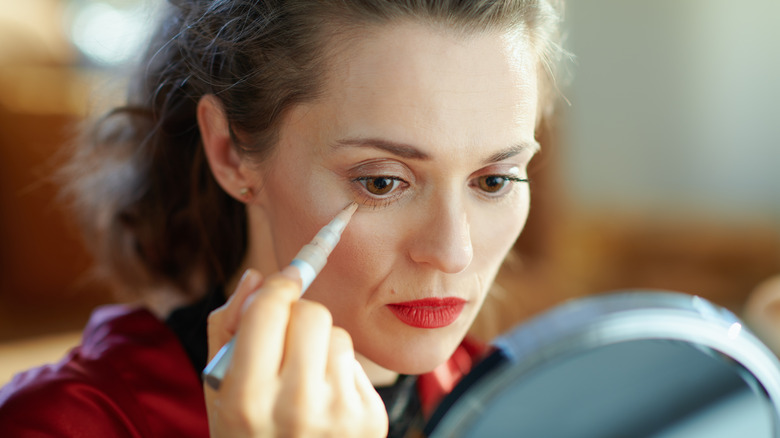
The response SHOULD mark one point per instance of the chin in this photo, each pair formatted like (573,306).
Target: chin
(419,356)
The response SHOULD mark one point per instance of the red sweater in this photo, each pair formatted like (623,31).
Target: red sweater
(131,377)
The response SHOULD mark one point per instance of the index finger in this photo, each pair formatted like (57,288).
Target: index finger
(223,321)
(260,340)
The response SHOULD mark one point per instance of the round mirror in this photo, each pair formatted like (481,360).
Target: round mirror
(639,364)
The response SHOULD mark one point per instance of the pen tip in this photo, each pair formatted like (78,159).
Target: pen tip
(351,207)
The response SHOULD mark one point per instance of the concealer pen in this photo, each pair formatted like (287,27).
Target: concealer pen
(309,261)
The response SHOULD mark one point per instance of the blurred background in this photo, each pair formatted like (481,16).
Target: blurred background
(658,172)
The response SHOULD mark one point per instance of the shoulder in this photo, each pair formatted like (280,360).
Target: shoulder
(60,400)
(129,375)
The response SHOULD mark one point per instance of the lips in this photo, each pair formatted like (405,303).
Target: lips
(428,313)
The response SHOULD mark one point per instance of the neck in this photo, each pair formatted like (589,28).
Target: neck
(259,251)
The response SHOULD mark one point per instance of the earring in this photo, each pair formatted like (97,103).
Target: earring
(245,192)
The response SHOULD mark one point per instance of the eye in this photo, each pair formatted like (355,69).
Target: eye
(494,185)
(379,185)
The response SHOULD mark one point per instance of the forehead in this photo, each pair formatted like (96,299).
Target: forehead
(434,73)
(425,51)
(427,86)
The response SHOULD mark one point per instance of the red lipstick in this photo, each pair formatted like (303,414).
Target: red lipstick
(428,313)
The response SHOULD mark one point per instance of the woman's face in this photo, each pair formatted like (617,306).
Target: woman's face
(430,132)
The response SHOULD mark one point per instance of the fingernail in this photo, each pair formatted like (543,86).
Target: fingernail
(244,275)
(291,272)
(251,278)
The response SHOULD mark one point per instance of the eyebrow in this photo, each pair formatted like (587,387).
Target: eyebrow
(513,150)
(400,149)
(410,152)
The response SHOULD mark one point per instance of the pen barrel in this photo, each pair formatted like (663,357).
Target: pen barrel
(312,257)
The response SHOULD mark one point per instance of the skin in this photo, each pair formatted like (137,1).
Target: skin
(431,113)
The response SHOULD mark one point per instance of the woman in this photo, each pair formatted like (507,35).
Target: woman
(253,123)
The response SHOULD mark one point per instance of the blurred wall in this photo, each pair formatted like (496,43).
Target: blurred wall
(670,147)
(674,108)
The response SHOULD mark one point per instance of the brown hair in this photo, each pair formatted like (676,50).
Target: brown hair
(151,210)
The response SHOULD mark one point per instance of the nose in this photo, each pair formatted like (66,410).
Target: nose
(443,239)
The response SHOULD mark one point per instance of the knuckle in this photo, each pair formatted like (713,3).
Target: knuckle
(340,339)
(341,335)
(375,421)
(343,411)
(237,415)
(275,293)
(215,324)
(358,421)
(299,421)
(269,301)
(215,317)
(243,411)
(272,301)
(312,311)
(281,284)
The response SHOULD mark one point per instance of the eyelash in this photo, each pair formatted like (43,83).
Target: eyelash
(377,201)
(503,191)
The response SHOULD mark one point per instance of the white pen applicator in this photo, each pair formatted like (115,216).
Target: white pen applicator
(309,261)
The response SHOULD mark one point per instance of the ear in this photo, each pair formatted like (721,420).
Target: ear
(225,163)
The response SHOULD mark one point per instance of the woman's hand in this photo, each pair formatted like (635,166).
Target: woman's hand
(293,374)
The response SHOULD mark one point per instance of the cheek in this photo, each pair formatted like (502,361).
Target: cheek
(291,224)
(351,285)
(494,232)
(367,251)
(297,208)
